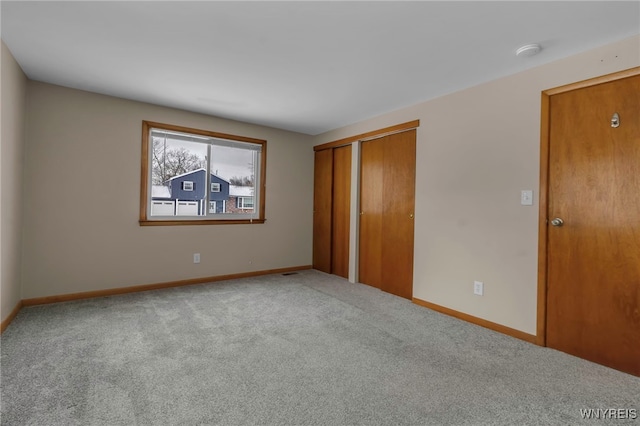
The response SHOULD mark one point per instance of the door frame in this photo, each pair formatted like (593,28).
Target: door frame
(545,114)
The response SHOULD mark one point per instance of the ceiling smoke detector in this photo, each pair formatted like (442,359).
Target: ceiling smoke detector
(528,50)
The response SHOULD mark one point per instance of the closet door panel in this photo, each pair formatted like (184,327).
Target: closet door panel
(371,211)
(398,190)
(322,210)
(341,210)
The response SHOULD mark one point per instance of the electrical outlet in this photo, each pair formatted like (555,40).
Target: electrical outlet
(196,257)
(478,288)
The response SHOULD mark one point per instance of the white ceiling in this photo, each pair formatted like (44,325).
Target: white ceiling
(302,66)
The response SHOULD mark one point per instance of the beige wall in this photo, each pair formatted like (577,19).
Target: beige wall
(13,93)
(82,191)
(476,150)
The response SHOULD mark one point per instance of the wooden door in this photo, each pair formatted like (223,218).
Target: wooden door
(341,211)
(371,206)
(322,210)
(397,224)
(593,258)
(387,206)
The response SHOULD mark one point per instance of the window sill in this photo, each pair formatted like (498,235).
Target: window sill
(201,222)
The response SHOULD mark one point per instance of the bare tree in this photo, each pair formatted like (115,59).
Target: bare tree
(241,181)
(245,180)
(170,162)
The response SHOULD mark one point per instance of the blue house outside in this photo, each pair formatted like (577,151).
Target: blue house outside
(187,193)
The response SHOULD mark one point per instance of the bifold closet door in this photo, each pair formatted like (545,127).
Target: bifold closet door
(371,185)
(387,197)
(322,209)
(331,210)
(341,205)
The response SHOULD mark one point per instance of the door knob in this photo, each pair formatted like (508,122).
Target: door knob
(557,222)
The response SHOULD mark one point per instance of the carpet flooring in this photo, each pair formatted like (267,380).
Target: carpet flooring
(302,349)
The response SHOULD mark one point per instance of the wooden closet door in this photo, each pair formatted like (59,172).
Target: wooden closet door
(397,217)
(386,221)
(322,210)
(341,210)
(371,207)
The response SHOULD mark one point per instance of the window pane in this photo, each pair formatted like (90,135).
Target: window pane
(178,171)
(237,167)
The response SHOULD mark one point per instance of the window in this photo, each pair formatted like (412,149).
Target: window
(179,163)
(245,202)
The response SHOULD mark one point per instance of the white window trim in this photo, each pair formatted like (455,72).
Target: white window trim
(190,184)
(217,185)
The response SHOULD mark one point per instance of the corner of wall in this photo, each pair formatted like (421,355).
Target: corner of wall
(13,122)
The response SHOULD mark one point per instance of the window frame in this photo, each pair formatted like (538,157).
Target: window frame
(145,179)
(217,186)
(191,187)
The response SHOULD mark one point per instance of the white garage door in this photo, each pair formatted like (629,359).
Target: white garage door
(162,208)
(187,208)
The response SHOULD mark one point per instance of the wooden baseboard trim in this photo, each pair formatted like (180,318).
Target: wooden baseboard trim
(5,322)
(478,321)
(158,286)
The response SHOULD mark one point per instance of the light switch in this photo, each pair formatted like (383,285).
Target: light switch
(478,288)
(526,197)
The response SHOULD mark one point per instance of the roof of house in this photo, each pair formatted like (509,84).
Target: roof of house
(160,191)
(194,171)
(240,191)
